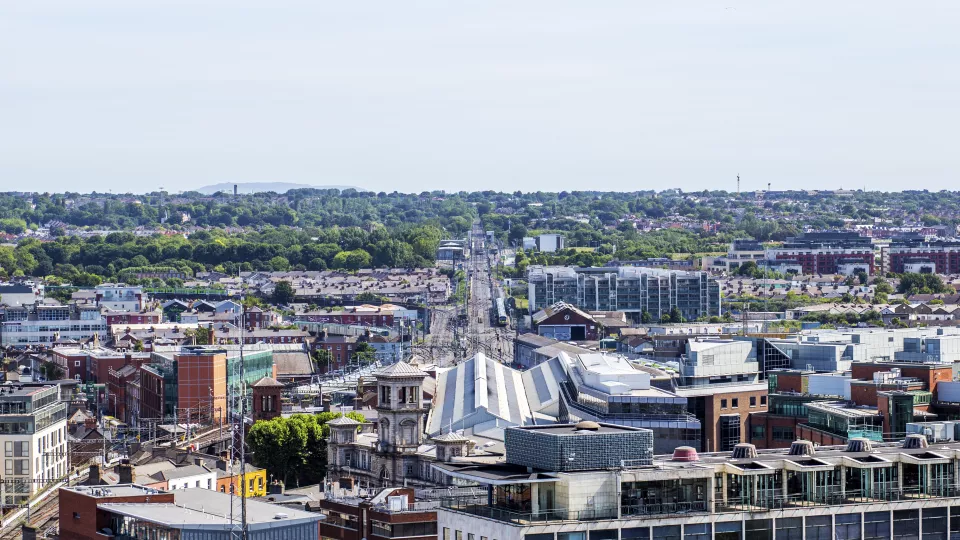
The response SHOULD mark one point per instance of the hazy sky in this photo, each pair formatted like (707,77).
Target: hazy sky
(532,95)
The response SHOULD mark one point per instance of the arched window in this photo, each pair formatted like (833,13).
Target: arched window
(408,432)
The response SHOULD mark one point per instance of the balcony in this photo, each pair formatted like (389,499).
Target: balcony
(478,507)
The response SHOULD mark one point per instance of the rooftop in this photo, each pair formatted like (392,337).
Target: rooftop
(203,508)
(120,490)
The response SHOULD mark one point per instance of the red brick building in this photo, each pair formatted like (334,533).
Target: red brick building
(81,520)
(564,322)
(132,317)
(341,349)
(383,516)
(362,315)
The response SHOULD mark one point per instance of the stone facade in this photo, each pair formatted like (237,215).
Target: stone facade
(392,452)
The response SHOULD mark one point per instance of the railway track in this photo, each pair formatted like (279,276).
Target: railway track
(45,516)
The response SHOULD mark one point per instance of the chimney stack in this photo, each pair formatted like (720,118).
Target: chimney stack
(125,472)
(94,475)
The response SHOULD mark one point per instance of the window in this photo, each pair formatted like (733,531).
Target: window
(790,529)
(21,466)
(8,449)
(753,401)
(669,532)
(735,403)
(638,533)
(934,523)
(757,432)
(819,528)
(459,535)
(847,527)
(723,404)
(446,533)
(696,531)
(470,536)
(763,400)
(759,529)
(782,433)
(876,525)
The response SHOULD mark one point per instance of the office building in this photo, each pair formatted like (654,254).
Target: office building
(858,491)
(32,325)
(633,290)
(33,434)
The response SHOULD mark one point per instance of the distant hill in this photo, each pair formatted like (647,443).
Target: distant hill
(258,187)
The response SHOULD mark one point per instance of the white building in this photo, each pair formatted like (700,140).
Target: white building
(120,297)
(16,294)
(41,325)
(33,434)
(549,243)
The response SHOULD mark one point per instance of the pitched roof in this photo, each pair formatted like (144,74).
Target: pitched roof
(343,421)
(400,369)
(450,436)
(267,382)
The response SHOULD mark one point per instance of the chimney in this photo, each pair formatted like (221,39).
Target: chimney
(94,475)
(213,334)
(198,461)
(276,488)
(28,532)
(125,472)
(222,464)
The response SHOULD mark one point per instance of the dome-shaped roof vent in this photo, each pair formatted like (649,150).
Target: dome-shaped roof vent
(801,448)
(859,444)
(587,425)
(744,451)
(685,453)
(915,440)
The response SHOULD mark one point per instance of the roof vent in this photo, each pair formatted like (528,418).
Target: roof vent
(744,451)
(859,444)
(801,448)
(915,440)
(685,453)
(587,425)
(281,515)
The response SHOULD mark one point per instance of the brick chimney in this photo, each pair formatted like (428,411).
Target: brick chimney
(213,334)
(94,476)
(125,472)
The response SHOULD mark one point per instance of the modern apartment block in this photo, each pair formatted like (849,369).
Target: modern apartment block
(827,252)
(633,290)
(33,434)
(862,490)
(937,257)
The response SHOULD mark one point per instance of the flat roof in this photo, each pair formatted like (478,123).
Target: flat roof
(119,490)
(571,429)
(203,508)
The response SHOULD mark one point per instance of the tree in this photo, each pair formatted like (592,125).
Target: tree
(294,449)
(645,317)
(322,358)
(283,292)
(675,315)
(364,353)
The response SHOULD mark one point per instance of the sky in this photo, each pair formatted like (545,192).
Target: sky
(479,94)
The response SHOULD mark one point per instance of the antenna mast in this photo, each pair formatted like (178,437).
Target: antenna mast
(236,396)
